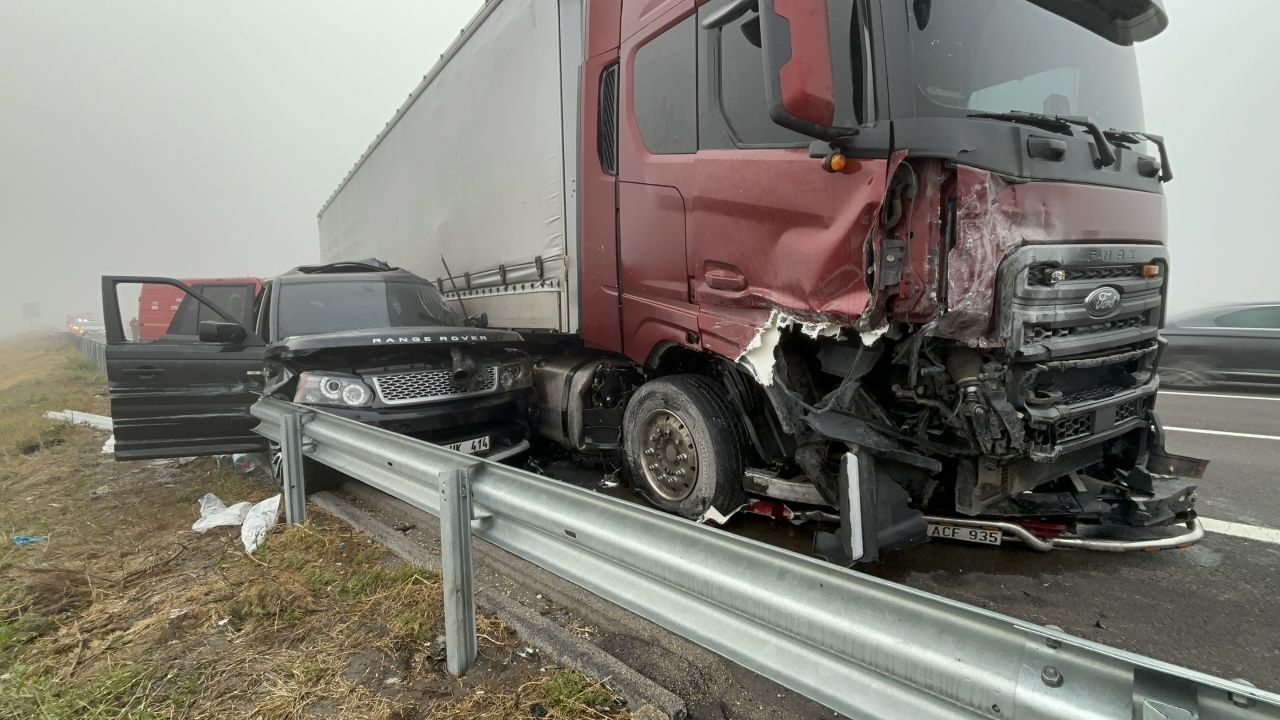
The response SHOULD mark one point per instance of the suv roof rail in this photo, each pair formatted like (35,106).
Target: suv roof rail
(343,266)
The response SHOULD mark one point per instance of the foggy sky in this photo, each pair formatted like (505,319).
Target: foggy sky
(198,138)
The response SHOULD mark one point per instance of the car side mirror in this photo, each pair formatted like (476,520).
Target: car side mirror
(479,321)
(222,333)
(799,88)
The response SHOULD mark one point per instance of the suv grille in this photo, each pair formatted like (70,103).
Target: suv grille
(425,385)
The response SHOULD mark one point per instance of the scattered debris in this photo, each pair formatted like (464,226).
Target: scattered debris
(402,526)
(777,509)
(538,710)
(715,517)
(526,653)
(99,491)
(109,447)
(215,513)
(29,539)
(244,462)
(258,521)
(254,520)
(101,422)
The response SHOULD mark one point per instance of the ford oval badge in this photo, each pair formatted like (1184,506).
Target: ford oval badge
(1102,302)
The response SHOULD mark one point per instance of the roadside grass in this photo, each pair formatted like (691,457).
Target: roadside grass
(123,613)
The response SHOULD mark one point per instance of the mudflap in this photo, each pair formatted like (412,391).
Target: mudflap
(875,516)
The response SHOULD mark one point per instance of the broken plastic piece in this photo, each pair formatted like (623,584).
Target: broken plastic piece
(29,539)
(715,517)
(101,422)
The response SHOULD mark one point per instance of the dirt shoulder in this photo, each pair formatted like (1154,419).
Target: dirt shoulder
(119,610)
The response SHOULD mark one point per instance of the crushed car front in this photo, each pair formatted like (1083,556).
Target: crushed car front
(386,349)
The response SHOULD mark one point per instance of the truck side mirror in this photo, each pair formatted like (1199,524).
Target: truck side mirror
(222,333)
(796,42)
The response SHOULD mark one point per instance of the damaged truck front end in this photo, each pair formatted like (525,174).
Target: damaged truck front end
(1001,381)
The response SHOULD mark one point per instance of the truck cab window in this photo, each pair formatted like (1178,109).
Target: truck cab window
(665,91)
(734,86)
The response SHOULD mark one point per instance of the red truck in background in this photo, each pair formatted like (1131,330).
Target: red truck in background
(159,304)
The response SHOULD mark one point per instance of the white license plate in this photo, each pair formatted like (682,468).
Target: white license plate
(966,534)
(471,446)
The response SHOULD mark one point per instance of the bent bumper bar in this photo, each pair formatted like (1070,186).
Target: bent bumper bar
(1193,535)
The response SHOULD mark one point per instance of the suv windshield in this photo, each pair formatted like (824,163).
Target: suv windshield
(1001,55)
(314,308)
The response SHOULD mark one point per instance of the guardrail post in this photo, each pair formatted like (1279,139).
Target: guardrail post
(293,485)
(455,561)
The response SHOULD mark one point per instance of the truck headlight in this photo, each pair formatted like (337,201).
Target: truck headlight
(324,389)
(514,375)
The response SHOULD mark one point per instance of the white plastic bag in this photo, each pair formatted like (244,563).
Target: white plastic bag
(214,513)
(258,521)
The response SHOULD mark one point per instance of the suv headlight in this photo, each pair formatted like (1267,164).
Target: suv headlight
(516,374)
(325,389)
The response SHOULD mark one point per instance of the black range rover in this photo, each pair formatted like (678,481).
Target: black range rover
(358,339)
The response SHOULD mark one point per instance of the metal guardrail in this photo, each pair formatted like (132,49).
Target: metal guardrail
(94,348)
(862,646)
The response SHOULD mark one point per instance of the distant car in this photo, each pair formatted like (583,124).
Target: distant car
(1223,346)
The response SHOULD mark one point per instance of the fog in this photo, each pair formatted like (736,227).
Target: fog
(199,138)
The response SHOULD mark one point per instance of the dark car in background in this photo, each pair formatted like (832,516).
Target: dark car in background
(358,339)
(1230,345)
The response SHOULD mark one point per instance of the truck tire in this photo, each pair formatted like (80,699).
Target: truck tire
(683,446)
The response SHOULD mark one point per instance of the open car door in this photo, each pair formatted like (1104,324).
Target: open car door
(188,391)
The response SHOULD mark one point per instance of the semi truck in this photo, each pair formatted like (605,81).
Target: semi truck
(902,258)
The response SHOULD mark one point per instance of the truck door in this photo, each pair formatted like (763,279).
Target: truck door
(768,227)
(187,391)
(657,142)
(722,214)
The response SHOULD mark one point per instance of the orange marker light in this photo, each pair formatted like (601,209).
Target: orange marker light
(834,162)
(1150,270)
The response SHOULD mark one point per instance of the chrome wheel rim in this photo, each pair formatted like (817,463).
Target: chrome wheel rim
(668,455)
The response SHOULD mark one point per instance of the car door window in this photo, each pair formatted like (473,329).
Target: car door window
(237,300)
(1255,318)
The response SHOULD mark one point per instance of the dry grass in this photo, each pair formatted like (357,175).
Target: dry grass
(124,613)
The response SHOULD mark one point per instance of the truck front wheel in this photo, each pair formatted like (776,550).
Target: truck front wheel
(683,445)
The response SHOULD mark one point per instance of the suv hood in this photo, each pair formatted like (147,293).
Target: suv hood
(393,337)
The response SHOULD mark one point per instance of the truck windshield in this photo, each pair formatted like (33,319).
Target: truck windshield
(314,308)
(1001,55)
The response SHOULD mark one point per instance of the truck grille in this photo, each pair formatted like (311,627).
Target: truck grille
(1053,321)
(425,385)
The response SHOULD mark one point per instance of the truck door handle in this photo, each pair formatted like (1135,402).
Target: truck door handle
(143,372)
(721,279)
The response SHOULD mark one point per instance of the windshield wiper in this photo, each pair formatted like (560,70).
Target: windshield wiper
(1133,137)
(1059,123)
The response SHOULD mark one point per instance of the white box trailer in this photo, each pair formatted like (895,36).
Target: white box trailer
(478,167)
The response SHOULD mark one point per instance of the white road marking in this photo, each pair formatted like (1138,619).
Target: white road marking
(1224,432)
(1220,395)
(1240,530)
